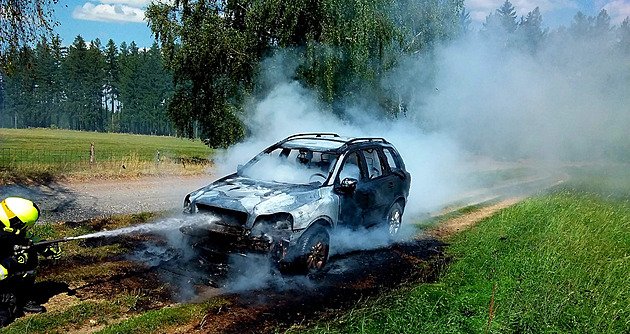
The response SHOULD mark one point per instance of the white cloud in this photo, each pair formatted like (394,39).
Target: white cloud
(618,10)
(108,13)
(479,9)
(131,3)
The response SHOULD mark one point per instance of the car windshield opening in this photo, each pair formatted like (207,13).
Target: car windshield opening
(291,165)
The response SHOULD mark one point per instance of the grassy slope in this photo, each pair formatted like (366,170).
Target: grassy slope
(48,139)
(555,263)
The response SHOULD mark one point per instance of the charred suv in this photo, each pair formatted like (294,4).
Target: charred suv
(289,198)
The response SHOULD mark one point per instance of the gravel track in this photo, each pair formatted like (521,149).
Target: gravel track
(70,201)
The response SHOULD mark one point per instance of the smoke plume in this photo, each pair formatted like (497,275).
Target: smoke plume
(469,106)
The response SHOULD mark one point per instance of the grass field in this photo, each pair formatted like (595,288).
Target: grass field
(44,153)
(556,263)
(49,139)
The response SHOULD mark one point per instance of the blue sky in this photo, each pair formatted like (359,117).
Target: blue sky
(123,20)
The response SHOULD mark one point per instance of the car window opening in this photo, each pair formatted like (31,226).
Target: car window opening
(296,166)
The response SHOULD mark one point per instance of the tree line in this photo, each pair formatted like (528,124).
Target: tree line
(87,86)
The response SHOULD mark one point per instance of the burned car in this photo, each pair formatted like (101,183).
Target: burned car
(288,199)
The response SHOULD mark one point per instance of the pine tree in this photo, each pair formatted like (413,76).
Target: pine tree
(624,36)
(507,17)
(18,88)
(84,77)
(112,71)
(530,30)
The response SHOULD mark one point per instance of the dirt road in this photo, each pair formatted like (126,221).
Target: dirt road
(77,201)
(102,198)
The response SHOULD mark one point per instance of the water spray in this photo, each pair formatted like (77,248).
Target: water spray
(169,224)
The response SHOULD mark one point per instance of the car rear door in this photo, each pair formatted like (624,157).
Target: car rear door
(352,205)
(378,186)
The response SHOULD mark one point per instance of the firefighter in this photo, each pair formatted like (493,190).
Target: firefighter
(17,264)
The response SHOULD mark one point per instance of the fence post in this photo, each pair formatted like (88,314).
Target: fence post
(91,154)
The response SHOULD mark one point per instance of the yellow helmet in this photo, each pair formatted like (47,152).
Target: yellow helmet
(18,213)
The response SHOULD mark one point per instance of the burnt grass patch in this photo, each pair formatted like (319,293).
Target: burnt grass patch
(350,278)
(101,269)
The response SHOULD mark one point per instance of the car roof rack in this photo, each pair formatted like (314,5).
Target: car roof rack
(314,134)
(334,137)
(365,140)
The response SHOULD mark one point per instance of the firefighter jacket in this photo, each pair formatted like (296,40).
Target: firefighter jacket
(12,261)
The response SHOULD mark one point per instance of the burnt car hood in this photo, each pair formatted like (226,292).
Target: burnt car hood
(255,197)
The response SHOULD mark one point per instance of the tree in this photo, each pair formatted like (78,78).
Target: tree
(530,30)
(624,35)
(464,21)
(18,88)
(602,22)
(220,44)
(84,80)
(112,71)
(581,25)
(157,91)
(507,17)
(213,49)
(94,116)
(22,23)
(45,75)
(130,87)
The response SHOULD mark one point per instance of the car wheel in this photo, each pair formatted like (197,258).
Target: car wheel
(313,247)
(394,219)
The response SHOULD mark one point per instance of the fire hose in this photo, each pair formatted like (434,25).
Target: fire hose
(35,245)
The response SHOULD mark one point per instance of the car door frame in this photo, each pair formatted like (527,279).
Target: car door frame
(380,190)
(350,210)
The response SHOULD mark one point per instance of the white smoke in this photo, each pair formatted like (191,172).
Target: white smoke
(288,108)
(467,104)
(569,101)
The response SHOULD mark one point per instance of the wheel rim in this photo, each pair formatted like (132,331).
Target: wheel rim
(317,256)
(394,221)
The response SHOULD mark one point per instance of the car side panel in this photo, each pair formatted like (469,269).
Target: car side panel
(325,207)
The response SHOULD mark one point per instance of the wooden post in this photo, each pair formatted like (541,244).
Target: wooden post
(91,154)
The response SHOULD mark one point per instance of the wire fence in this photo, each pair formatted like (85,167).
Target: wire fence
(64,160)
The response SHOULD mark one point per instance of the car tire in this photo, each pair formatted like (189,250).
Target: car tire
(313,248)
(394,219)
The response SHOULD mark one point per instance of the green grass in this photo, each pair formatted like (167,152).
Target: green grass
(612,181)
(49,139)
(62,321)
(557,263)
(436,220)
(89,314)
(161,320)
(41,155)
(495,177)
